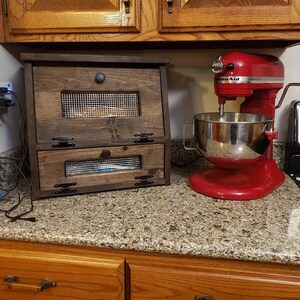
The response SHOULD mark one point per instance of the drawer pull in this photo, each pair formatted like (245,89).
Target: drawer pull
(105,154)
(143,137)
(63,141)
(13,283)
(100,77)
(203,297)
(170,6)
(127,6)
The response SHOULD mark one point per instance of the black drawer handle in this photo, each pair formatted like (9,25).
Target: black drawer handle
(203,297)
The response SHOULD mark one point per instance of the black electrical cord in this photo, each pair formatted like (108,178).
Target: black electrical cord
(18,164)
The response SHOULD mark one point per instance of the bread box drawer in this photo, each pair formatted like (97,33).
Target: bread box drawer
(38,275)
(96,103)
(96,169)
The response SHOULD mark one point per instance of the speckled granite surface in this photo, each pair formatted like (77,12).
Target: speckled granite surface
(170,219)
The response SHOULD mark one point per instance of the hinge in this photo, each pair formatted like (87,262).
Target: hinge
(127,6)
(65,188)
(63,141)
(143,180)
(5,7)
(143,137)
(170,6)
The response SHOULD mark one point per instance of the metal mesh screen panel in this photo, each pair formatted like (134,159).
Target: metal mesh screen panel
(100,104)
(91,166)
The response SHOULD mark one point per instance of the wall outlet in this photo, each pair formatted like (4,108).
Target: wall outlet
(6,84)
(4,97)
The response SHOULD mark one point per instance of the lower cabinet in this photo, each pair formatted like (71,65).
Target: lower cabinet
(212,279)
(55,272)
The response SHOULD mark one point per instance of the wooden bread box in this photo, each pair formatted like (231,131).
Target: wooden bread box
(96,123)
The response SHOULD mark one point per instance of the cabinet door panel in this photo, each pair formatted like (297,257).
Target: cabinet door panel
(154,282)
(76,277)
(38,16)
(86,168)
(205,15)
(70,102)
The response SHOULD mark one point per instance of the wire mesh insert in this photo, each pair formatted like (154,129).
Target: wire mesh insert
(100,104)
(102,165)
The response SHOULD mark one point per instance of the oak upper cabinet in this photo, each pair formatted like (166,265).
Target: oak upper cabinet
(60,16)
(227,15)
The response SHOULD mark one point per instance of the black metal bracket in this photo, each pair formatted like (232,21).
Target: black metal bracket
(63,141)
(65,188)
(143,180)
(143,137)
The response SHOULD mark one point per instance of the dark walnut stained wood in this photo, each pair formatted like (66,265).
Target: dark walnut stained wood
(52,166)
(50,82)
(149,20)
(54,77)
(145,276)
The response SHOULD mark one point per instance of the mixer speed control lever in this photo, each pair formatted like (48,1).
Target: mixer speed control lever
(218,66)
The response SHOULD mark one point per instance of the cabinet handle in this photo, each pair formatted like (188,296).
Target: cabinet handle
(170,6)
(13,283)
(127,6)
(203,297)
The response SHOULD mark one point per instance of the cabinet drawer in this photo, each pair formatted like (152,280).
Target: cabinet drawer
(204,283)
(72,101)
(107,168)
(75,277)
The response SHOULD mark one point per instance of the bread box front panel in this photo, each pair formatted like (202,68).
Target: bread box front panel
(105,168)
(90,103)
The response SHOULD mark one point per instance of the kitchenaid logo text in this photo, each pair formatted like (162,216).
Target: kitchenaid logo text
(228,79)
(247,79)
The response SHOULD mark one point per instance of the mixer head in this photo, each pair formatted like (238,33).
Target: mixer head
(239,74)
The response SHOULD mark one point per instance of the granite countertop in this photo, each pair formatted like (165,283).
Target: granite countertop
(169,219)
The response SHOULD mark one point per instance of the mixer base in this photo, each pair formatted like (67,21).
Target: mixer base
(249,183)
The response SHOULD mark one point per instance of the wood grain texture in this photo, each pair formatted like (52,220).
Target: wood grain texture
(2,24)
(52,166)
(196,15)
(184,278)
(166,276)
(78,276)
(50,82)
(31,132)
(50,76)
(229,3)
(66,16)
(154,18)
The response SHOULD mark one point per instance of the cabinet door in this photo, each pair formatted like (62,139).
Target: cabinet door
(119,166)
(38,275)
(59,16)
(70,101)
(181,279)
(227,15)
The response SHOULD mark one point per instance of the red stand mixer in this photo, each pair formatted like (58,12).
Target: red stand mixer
(248,171)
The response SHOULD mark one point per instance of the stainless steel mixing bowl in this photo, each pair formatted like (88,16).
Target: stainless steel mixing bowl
(233,140)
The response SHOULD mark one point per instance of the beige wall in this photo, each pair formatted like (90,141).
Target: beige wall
(190,86)
(10,70)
